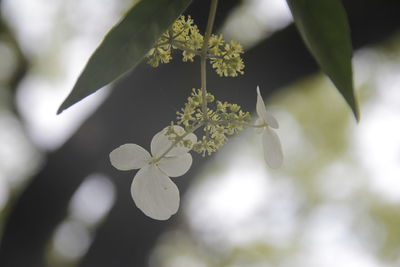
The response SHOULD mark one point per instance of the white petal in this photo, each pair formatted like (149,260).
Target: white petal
(272,122)
(160,143)
(259,130)
(263,113)
(272,148)
(177,165)
(260,106)
(154,193)
(129,157)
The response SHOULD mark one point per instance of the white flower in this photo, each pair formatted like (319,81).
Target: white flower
(152,190)
(272,146)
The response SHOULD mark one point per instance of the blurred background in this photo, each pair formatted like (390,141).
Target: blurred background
(335,201)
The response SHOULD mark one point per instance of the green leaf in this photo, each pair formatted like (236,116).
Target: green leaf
(125,45)
(324,28)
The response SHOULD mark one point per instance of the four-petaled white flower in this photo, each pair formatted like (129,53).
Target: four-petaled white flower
(272,146)
(152,190)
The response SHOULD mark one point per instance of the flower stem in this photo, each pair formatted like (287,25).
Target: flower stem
(203,60)
(244,124)
(203,56)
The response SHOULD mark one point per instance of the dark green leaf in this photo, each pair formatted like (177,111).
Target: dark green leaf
(125,45)
(324,28)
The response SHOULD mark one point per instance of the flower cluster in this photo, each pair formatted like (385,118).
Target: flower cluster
(214,121)
(152,189)
(192,112)
(181,35)
(227,61)
(225,57)
(221,120)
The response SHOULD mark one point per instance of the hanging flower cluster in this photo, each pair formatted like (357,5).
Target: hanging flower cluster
(185,36)
(214,121)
